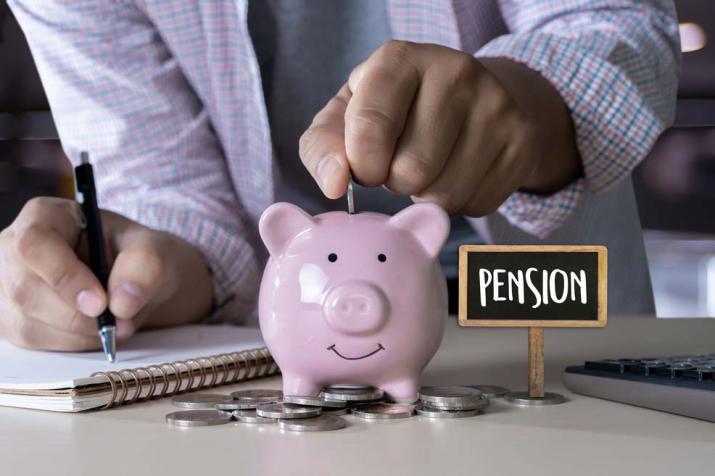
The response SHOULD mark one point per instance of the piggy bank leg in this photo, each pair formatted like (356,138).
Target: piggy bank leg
(299,385)
(403,391)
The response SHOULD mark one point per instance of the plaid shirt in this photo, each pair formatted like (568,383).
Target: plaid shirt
(167,97)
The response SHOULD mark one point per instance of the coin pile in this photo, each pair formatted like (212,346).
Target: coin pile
(322,413)
(451,402)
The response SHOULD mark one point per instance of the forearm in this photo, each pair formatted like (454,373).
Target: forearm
(559,160)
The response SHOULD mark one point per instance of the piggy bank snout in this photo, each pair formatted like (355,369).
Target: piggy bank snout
(355,308)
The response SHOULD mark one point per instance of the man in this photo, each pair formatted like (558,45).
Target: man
(191,112)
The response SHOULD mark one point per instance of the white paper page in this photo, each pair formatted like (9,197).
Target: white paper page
(34,370)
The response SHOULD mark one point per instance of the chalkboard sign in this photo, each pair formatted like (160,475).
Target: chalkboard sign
(532,286)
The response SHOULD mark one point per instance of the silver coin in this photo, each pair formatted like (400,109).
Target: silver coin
(193,418)
(246,404)
(477,404)
(446,392)
(491,391)
(228,406)
(351,199)
(384,411)
(523,399)
(345,394)
(243,411)
(286,410)
(250,416)
(452,398)
(335,411)
(313,401)
(437,413)
(200,400)
(319,423)
(347,385)
(257,395)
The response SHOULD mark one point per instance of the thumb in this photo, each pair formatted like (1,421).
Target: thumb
(140,274)
(322,147)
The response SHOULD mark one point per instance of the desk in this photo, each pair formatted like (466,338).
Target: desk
(584,436)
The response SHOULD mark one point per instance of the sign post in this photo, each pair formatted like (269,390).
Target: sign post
(535,287)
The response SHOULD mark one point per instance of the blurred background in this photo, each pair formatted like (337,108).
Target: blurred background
(675,185)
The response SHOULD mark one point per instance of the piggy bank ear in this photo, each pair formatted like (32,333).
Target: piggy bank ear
(280,223)
(427,222)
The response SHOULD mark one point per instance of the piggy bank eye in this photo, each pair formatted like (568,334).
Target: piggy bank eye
(381,258)
(332,257)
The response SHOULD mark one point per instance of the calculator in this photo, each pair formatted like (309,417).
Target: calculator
(681,384)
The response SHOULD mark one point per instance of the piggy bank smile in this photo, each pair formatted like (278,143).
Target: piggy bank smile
(334,349)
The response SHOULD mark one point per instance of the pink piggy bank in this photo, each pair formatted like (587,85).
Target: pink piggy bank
(357,299)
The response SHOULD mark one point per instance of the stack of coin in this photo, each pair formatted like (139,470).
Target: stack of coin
(319,423)
(451,402)
(243,408)
(321,413)
(254,397)
(383,411)
(194,418)
(327,407)
(300,417)
(367,402)
(352,394)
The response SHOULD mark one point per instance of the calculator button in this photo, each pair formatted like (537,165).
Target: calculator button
(603,365)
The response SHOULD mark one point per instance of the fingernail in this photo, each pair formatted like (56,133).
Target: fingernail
(126,299)
(89,303)
(328,167)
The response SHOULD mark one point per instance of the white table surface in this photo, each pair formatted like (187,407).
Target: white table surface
(582,437)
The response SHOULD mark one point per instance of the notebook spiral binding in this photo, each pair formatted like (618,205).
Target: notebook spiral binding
(232,367)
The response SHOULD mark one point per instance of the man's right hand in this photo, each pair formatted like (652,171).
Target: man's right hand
(49,297)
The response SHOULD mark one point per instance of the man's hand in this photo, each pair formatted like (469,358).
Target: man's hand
(441,126)
(49,297)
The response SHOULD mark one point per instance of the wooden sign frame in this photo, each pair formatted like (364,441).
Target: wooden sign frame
(602,286)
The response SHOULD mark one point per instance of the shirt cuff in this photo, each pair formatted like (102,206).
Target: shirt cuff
(615,127)
(231,260)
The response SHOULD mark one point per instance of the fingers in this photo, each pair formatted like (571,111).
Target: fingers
(462,175)
(322,147)
(506,172)
(33,298)
(478,146)
(491,157)
(429,135)
(31,333)
(142,273)
(44,236)
(40,274)
(383,89)
(42,281)
(49,256)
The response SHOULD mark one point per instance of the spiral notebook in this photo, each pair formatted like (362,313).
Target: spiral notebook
(151,364)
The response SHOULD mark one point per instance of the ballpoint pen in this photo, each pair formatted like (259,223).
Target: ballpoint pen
(86,196)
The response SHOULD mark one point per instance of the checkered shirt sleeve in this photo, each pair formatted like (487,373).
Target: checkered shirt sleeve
(615,64)
(116,91)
